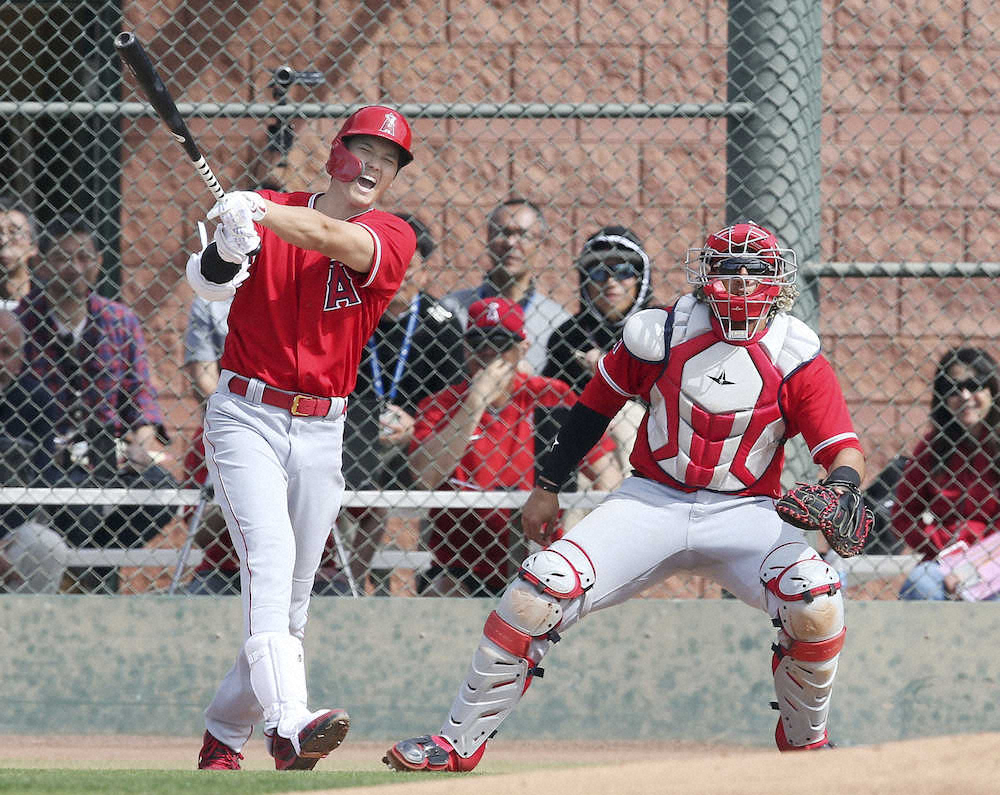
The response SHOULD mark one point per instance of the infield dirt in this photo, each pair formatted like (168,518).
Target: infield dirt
(954,765)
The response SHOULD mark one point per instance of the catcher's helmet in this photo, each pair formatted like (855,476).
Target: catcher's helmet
(741,270)
(376,120)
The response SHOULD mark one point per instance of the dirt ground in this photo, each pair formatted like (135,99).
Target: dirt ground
(956,765)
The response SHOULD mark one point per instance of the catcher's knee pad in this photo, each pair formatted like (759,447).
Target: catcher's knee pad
(548,580)
(516,636)
(808,607)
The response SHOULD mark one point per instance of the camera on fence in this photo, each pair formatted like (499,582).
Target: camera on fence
(281,133)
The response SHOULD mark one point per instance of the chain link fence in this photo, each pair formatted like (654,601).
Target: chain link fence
(863,135)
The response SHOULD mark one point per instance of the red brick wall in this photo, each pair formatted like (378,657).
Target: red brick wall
(911,97)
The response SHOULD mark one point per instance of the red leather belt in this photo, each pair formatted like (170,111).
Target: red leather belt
(296,405)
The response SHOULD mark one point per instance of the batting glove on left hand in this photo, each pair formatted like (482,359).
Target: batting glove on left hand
(236,237)
(236,244)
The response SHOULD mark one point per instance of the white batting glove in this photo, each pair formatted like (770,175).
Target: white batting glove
(236,237)
(238,208)
(236,243)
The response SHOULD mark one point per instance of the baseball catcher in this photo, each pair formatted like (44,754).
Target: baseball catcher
(834,508)
(729,376)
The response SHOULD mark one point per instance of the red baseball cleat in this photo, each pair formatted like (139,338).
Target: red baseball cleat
(430,752)
(216,755)
(316,739)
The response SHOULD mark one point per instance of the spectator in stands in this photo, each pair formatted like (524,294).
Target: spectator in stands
(18,250)
(950,489)
(416,350)
(32,557)
(482,435)
(614,272)
(95,421)
(219,569)
(515,234)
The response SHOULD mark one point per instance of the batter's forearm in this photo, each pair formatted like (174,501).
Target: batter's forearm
(310,229)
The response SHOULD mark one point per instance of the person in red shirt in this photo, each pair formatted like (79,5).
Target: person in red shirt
(483,435)
(728,376)
(309,276)
(950,488)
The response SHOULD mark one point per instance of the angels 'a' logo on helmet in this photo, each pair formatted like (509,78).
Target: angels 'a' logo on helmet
(389,125)
(493,313)
(741,269)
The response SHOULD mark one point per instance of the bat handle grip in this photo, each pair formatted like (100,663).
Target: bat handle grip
(205,172)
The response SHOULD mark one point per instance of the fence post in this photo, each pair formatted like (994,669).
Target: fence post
(773,154)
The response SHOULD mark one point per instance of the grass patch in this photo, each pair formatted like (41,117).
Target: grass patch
(198,782)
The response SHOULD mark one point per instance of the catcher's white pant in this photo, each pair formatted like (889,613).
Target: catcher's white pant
(279,483)
(641,534)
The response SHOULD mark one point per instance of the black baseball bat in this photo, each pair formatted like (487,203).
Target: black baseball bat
(134,56)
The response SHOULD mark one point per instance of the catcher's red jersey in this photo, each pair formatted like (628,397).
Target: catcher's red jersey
(301,320)
(720,411)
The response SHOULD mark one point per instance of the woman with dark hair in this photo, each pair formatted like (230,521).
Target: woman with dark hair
(950,490)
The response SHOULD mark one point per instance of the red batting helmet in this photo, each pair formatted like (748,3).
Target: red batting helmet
(377,120)
(749,258)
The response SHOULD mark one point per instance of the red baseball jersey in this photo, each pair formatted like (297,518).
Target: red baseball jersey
(301,320)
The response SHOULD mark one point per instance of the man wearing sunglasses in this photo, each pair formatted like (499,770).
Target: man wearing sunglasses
(728,376)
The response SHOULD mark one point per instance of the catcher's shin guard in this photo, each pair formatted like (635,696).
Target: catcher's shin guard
(515,639)
(804,594)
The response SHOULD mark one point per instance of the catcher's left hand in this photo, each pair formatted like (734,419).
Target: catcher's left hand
(833,508)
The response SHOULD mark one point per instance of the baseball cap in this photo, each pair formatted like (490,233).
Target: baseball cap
(495,319)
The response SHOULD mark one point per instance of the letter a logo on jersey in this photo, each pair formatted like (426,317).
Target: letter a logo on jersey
(340,290)
(389,125)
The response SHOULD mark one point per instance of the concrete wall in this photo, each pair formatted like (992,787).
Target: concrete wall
(685,670)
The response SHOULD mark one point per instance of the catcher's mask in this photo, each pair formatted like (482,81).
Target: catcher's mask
(741,270)
(377,120)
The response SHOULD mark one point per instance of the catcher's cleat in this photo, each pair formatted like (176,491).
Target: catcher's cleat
(316,739)
(823,744)
(216,755)
(430,752)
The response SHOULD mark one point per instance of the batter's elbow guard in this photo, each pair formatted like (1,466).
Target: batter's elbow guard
(215,269)
(210,291)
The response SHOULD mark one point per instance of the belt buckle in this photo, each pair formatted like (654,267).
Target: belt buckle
(294,408)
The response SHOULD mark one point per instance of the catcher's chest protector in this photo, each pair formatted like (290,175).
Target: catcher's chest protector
(714,420)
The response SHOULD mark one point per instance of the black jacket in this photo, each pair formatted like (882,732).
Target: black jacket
(435,360)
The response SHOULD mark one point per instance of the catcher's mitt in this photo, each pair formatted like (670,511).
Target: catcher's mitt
(842,518)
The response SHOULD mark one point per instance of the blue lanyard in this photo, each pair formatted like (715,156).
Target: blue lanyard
(404,354)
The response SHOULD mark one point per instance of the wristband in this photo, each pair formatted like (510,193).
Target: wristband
(844,474)
(546,485)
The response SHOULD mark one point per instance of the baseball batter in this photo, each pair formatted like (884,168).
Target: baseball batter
(728,376)
(310,275)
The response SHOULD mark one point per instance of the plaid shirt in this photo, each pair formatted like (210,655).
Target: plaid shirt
(116,387)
